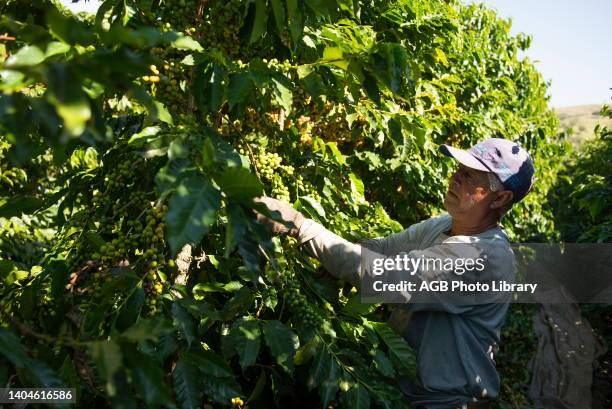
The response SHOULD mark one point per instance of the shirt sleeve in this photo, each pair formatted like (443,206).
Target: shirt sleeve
(341,258)
(353,262)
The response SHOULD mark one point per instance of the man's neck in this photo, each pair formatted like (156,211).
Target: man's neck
(471,228)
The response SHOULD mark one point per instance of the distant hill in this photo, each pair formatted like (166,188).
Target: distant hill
(582,120)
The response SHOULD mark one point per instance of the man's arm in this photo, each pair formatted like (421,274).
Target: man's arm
(340,257)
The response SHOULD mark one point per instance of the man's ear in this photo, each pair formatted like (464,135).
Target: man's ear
(503,198)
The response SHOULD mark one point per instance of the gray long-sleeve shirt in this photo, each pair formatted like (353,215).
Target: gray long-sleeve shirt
(454,342)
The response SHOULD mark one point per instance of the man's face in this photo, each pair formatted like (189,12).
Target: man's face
(468,192)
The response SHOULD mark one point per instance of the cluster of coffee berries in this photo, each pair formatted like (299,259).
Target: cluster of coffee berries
(170,80)
(280,191)
(12,177)
(302,312)
(178,14)
(119,180)
(332,124)
(152,78)
(305,125)
(305,188)
(267,163)
(255,122)
(237,402)
(153,295)
(222,23)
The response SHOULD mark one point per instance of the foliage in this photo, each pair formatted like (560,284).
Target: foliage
(583,213)
(133,144)
(583,196)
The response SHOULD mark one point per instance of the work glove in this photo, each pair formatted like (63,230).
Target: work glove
(287,213)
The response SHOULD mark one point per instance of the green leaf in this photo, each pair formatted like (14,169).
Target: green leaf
(371,88)
(390,63)
(210,86)
(11,349)
(25,57)
(184,322)
(261,20)
(186,43)
(338,156)
(55,48)
(208,362)
(244,340)
(67,372)
(240,86)
(237,226)
(383,364)
(156,110)
(221,390)
(214,287)
(16,276)
(169,176)
(357,397)
(239,183)
(130,311)
(419,133)
(239,303)
(304,70)
(348,5)
(329,386)
(12,80)
(192,209)
(217,153)
(314,85)
(36,373)
(147,377)
(357,188)
(282,343)
(66,95)
(249,249)
(306,352)
(296,24)
(18,205)
(282,94)
(399,350)
(323,8)
(68,29)
(40,375)
(311,206)
(259,386)
(187,384)
(320,368)
(147,329)
(279,14)
(140,138)
(354,307)
(334,56)
(108,358)
(94,239)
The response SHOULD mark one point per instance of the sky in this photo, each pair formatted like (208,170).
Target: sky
(571,46)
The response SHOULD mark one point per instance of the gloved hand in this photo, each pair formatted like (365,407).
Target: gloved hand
(287,213)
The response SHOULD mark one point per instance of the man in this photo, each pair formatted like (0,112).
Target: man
(454,342)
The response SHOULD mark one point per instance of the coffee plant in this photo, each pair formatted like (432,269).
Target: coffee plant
(132,144)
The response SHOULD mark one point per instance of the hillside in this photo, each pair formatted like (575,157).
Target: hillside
(582,120)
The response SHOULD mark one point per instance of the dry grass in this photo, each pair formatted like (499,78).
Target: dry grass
(581,120)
